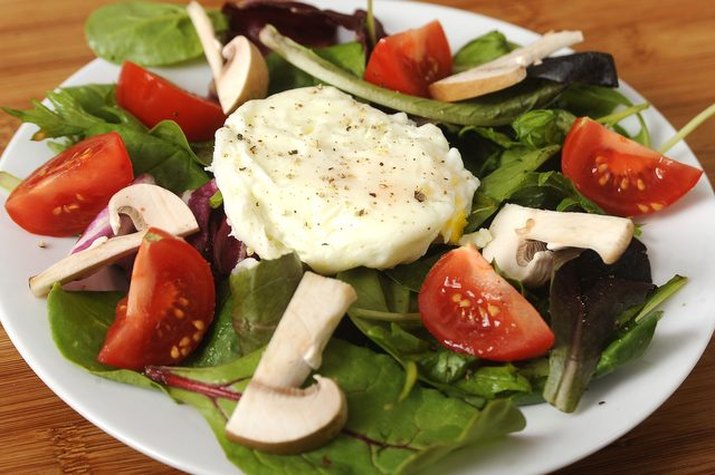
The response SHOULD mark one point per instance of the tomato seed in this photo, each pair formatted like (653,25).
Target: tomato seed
(178,313)
(197,336)
(199,324)
(640,184)
(175,352)
(186,341)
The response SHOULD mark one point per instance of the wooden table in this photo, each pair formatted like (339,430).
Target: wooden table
(663,48)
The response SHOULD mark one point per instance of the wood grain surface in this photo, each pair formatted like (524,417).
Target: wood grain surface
(664,48)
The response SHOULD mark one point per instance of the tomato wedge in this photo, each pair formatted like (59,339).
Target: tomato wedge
(410,61)
(620,175)
(169,307)
(470,309)
(65,194)
(151,99)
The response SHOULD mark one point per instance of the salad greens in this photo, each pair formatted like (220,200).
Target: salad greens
(262,294)
(84,111)
(482,49)
(586,299)
(411,401)
(79,323)
(384,433)
(146,33)
(497,109)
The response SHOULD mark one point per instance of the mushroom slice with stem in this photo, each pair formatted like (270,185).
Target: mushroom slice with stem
(290,420)
(239,70)
(274,414)
(148,206)
(244,76)
(527,243)
(502,72)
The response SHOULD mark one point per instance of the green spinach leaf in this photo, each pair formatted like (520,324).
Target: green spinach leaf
(79,323)
(284,76)
(599,101)
(383,434)
(162,152)
(146,33)
(551,190)
(220,343)
(517,164)
(411,344)
(260,296)
(481,50)
(543,127)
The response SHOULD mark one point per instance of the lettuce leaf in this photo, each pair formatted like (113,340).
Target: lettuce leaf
(587,297)
(80,112)
(384,433)
(146,33)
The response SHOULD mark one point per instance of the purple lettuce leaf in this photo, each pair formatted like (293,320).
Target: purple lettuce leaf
(214,240)
(303,23)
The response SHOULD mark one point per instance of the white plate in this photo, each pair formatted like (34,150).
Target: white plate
(178,436)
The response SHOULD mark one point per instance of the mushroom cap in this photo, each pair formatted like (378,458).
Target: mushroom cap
(244,76)
(288,420)
(151,206)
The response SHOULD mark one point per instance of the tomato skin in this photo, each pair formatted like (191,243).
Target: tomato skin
(620,175)
(410,61)
(65,194)
(151,99)
(169,307)
(470,309)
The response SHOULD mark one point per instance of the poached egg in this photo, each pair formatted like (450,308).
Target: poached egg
(342,184)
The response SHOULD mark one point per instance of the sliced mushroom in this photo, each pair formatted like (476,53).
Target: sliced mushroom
(148,206)
(274,414)
(528,242)
(480,81)
(502,72)
(239,69)
(289,420)
(244,76)
(207,36)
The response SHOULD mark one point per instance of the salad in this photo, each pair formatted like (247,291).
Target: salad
(514,378)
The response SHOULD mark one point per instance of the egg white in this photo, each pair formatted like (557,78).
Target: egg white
(337,181)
